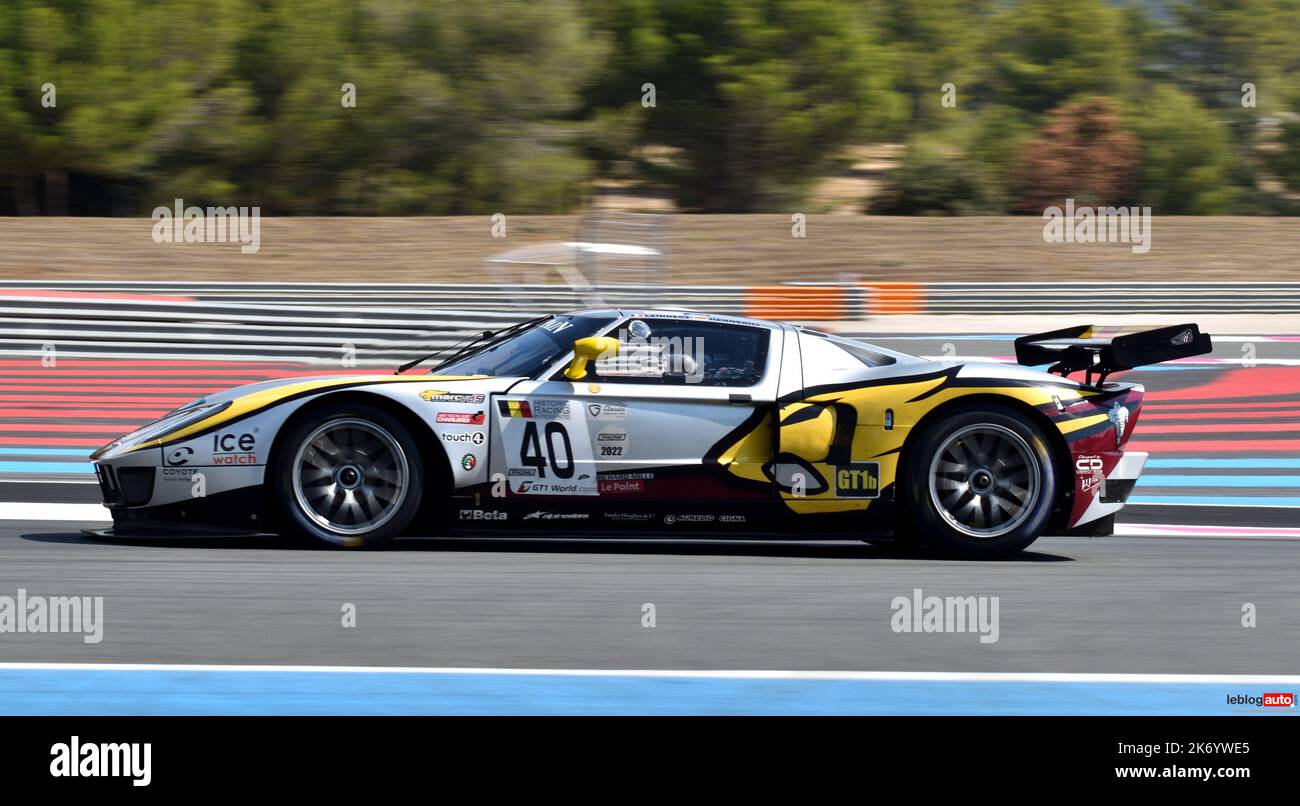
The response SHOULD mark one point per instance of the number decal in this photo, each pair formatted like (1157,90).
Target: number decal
(553,428)
(531,455)
(530,450)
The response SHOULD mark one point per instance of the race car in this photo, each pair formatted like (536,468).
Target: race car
(632,422)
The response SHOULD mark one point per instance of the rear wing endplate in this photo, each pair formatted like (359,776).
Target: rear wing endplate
(1072,349)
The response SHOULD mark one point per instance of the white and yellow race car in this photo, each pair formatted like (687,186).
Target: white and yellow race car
(621,422)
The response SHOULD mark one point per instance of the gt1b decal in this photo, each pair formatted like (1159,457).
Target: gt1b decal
(857,480)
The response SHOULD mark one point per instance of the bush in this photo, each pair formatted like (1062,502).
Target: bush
(932,182)
(1083,153)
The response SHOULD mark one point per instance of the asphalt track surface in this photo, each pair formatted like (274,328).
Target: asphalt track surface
(1131,605)
(1169,604)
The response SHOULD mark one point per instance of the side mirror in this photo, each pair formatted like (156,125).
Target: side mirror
(589,349)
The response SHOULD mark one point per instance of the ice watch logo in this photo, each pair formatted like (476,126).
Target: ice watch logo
(857,480)
(232,443)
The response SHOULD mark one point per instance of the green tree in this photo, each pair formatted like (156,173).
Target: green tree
(1045,52)
(931,43)
(1187,156)
(1216,46)
(758,98)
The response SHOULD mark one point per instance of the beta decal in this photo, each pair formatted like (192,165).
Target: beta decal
(483,515)
(461,417)
(857,480)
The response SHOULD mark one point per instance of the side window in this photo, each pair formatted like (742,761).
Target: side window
(683,351)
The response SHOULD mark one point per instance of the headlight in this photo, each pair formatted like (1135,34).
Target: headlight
(181,418)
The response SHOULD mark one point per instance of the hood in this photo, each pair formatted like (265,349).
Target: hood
(281,387)
(240,401)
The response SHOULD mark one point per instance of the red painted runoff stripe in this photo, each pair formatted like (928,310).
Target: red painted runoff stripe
(148,362)
(1193,404)
(169,372)
(81,401)
(1148,416)
(194,389)
(1236,384)
(103,414)
(90,443)
(117,400)
(1216,428)
(55,428)
(57,294)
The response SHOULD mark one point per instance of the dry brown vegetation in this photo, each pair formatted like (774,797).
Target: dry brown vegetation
(723,249)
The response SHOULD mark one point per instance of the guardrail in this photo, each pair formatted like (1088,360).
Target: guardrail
(384,324)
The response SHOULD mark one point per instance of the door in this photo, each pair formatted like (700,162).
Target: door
(683,414)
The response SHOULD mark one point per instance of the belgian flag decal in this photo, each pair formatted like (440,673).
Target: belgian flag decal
(514,408)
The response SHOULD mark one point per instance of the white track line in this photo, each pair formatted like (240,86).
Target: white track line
(17,511)
(1189,530)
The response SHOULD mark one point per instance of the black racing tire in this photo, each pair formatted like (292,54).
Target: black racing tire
(979,483)
(362,494)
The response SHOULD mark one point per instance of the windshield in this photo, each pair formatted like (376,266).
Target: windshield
(530,351)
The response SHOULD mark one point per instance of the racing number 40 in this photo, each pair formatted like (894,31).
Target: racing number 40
(532,455)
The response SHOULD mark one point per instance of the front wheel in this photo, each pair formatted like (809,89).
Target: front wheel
(348,475)
(980,483)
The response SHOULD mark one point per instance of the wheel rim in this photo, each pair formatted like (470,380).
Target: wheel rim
(984,480)
(350,476)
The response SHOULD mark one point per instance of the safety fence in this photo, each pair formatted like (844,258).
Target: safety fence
(387,323)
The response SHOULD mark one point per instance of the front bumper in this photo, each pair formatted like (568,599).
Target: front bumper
(145,497)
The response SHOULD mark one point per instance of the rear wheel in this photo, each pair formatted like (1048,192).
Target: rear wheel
(348,475)
(980,483)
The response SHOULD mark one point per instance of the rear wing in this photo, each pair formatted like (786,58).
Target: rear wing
(1072,349)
